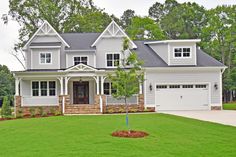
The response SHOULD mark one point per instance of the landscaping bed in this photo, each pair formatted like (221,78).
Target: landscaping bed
(129,134)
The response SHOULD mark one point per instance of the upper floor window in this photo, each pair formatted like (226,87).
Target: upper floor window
(182,52)
(113,59)
(45,58)
(78,60)
(44,88)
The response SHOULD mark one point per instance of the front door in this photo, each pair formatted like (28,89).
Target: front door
(81,92)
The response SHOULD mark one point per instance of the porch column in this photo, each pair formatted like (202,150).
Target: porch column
(17,82)
(61,83)
(140,88)
(66,85)
(97,83)
(102,82)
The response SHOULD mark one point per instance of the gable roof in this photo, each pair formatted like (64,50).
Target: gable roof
(48,30)
(81,67)
(80,41)
(113,30)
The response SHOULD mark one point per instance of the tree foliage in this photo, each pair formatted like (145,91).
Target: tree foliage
(6,81)
(6,108)
(144,28)
(127,17)
(128,76)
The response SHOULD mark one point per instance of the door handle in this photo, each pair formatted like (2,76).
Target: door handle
(181,97)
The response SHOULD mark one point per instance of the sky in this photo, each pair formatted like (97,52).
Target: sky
(9,32)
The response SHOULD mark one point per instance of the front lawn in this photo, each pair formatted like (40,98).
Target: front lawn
(88,136)
(229,106)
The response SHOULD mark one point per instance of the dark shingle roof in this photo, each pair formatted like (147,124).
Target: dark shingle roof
(46,44)
(80,41)
(151,59)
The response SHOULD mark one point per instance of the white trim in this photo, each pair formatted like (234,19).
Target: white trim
(107,29)
(168,48)
(59,59)
(73,59)
(195,52)
(113,60)
(77,50)
(145,88)
(43,47)
(45,22)
(45,58)
(183,68)
(39,81)
(173,41)
(182,56)
(78,69)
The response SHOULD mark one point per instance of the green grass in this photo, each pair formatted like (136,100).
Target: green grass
(229,106)
(90,136)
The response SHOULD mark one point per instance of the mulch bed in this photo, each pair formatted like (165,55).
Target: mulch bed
(131,134)
(28,116)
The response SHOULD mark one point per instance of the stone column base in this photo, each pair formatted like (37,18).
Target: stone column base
(216,108)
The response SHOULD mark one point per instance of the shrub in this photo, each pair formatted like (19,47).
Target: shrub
(57,113)
(44,114)
(52,111)
(32,112)
(19,113)
(40,111)
(6,108)
(121,110)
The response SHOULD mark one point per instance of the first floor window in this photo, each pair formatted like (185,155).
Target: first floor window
(78,60)
(35,88)
(113,59)
(45,58)
(108,89)
(43,88)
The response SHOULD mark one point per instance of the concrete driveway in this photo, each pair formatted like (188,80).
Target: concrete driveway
(223,117)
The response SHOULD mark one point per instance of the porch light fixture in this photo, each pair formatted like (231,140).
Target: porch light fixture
(80,80)
(216,86)
(150,87)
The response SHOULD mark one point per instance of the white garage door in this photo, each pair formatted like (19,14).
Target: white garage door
(182,97)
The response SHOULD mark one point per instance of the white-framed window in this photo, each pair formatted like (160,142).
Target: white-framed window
(107,88)
(200,86)
(43,88)
(112,59)
(80,59)
(45,58)
(182,52)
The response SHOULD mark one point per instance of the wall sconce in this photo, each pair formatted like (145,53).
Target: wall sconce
(216,86)
(150,87)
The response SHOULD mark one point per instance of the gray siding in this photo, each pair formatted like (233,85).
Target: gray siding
(38,39)
(182,61)
(107,45)
(161,50)
(183,76)
(35,56)
(70,58)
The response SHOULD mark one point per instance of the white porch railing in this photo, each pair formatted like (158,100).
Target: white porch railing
(42,101)
(110,100)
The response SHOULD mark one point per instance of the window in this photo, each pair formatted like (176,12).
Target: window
(107,88)
(35,88)
(113,59)
(187,86)
(200,86)
(174,86)
(52,88)
(78,60)
(45,58)
(161,86)
(182,52)
(44,88)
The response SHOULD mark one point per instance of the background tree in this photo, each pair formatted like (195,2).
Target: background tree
(6,82)
(127,17)
(127,77)
(6,108)
(144,28)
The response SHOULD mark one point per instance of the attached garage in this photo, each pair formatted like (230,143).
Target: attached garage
(182,97)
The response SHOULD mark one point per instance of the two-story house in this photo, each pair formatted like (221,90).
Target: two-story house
(68,72)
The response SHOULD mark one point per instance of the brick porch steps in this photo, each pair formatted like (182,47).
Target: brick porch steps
(82,109)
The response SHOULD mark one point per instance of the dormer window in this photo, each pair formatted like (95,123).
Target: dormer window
(46,58)
(182,52)
(81,59)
